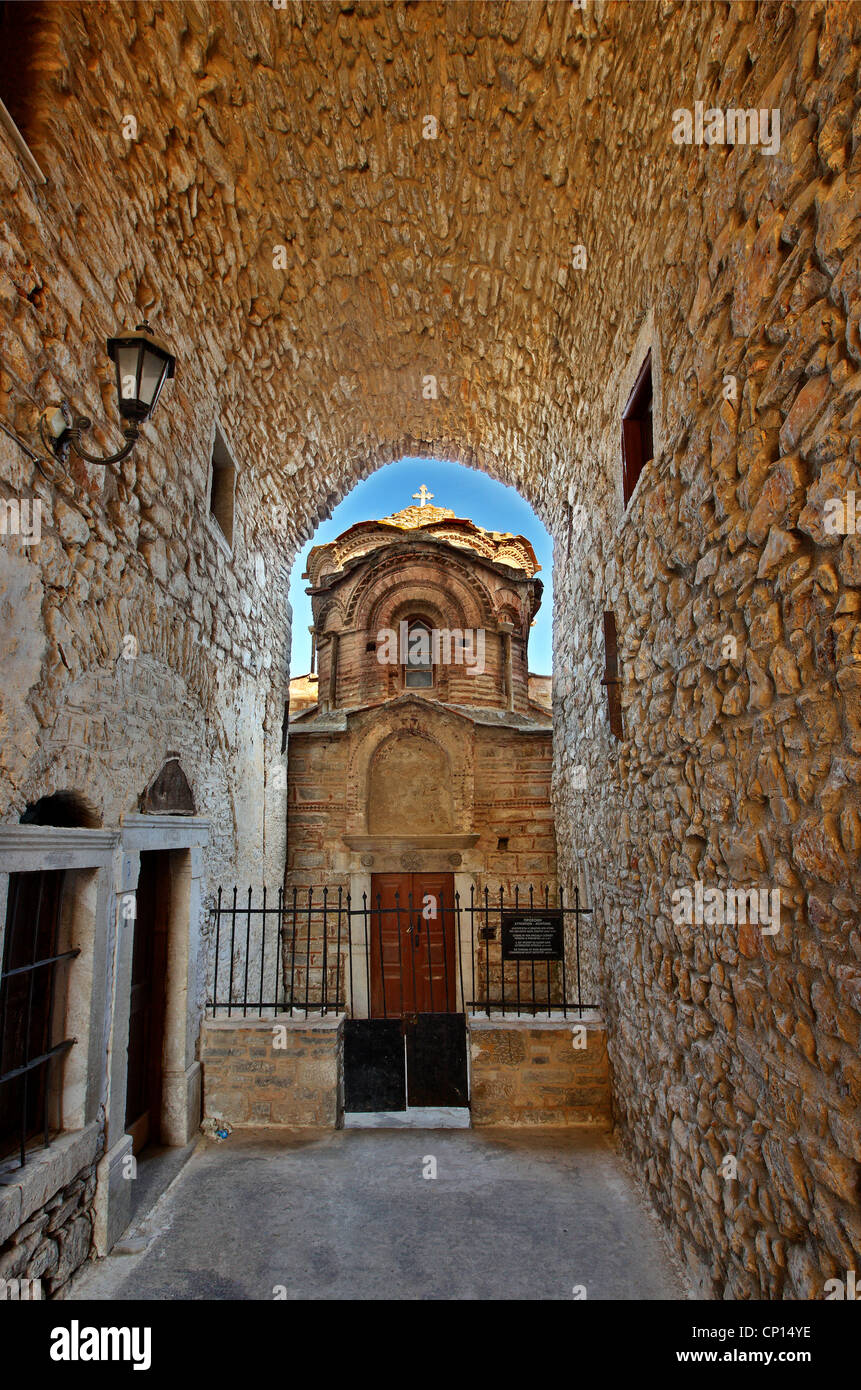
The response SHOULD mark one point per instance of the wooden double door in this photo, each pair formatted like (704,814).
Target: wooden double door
(413,944)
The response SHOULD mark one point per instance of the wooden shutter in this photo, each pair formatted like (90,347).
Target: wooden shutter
(611,679)
(637,447)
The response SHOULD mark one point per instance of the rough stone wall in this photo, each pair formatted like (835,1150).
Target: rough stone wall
(131,630)
(402,256)
(129,559)
(55,1240)
(739,764)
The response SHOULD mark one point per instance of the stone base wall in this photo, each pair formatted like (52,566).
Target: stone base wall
(531,1073)
(47,1212)
(274,1071)
(56,1239)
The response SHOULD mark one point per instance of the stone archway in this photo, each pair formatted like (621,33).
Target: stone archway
(345,290)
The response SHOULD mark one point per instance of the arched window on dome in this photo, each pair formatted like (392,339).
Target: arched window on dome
(418,657)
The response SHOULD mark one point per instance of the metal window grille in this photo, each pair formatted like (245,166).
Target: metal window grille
(30,993)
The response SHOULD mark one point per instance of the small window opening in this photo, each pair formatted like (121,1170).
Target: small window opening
(637,442)
(418,671)
(502,842)
(32,992)
(221,496)
(611,681)
(20,27)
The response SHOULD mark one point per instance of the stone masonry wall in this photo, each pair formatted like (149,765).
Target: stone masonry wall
(249,1079)
(512,806)
(132,628)
(316,810)
(314,257)
(533,1074)
(55,1240)
(734,1053)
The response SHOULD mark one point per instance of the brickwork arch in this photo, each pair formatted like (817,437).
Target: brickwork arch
(410,718)
(373,596)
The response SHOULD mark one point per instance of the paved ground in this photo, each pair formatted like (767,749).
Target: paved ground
(348,1214)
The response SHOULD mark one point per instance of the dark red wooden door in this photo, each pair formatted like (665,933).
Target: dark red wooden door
(147,1001)
(412,942)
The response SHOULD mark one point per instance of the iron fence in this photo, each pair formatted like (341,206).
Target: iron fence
(313,950)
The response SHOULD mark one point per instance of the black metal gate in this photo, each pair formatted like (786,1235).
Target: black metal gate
(436,1060)
(392,1063)
(374,1075)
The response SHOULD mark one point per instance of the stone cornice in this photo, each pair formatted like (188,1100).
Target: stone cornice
(17,839)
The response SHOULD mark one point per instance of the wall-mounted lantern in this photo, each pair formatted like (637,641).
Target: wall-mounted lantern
(142,365)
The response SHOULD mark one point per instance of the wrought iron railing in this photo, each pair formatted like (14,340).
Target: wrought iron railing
(313,950)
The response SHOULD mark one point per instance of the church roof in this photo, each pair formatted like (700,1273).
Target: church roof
(440,523)
(413,517)
(313,721)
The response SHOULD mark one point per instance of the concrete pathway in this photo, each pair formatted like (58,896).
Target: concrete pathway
(348,1214)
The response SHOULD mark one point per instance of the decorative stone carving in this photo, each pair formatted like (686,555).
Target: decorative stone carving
(367,861)
(411,862)
(169,794)
(455,860)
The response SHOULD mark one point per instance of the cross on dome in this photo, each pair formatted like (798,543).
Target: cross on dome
(423,494)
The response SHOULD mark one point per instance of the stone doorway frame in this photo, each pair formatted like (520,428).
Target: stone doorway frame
(184,839)
(389,859)
(89,859)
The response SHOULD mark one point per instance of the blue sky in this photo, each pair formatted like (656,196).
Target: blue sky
(468,493)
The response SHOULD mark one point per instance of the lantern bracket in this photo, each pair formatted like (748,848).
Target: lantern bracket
(60,432)
(142,365)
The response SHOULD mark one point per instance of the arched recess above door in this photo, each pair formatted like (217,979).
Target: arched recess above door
(409,787)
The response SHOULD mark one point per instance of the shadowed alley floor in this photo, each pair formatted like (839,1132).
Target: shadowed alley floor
(347,1214)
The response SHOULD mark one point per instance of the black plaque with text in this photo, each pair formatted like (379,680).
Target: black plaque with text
(532,936)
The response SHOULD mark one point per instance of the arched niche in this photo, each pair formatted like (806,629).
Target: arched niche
(409,788)
(68,809)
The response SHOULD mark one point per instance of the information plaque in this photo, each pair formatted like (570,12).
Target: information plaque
(532,936)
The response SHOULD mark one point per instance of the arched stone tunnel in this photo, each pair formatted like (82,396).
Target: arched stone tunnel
(456,230)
